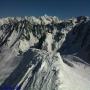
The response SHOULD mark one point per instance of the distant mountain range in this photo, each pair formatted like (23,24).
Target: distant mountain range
(44,53)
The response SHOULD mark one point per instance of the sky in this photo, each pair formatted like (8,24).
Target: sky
(60,8)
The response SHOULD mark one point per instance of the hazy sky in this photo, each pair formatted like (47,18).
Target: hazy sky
(61,8)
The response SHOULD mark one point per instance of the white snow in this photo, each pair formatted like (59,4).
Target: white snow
(47,45)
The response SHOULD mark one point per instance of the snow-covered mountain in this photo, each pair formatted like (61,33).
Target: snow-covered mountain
(44,53)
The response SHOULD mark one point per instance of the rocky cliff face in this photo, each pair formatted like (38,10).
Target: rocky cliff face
(44,53)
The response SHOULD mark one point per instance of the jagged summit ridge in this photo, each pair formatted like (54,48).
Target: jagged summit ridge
(32,19)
